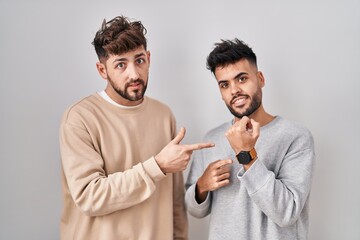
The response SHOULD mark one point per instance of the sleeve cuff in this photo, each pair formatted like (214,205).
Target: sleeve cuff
(255,177)
(153,170)
(193,207)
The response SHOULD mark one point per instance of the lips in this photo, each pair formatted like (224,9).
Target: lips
(239,101)
(135,84)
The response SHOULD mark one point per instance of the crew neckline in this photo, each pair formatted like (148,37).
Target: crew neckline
(106,97)
(122,109)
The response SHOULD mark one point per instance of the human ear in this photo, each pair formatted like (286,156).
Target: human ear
(148,56)
(261,78)
(102,70)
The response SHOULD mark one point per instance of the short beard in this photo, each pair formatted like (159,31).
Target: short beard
(254,105)
(139,94)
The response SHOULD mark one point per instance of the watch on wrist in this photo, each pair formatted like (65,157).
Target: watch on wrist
(244,157)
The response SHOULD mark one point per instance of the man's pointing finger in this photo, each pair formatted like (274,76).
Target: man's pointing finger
(198,146)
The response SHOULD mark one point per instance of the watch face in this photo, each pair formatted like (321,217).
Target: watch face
(243,157)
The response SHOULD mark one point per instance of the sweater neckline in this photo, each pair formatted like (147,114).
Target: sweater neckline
(125,110)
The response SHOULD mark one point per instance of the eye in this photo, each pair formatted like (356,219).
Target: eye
(242,79)
(120,65)
(223,85)
(140,60)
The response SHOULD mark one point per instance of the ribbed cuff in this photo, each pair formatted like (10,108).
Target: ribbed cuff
(153,170)
(255,177)
(194,208)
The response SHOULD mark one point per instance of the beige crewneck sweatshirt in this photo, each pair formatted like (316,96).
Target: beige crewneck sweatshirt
(112,185)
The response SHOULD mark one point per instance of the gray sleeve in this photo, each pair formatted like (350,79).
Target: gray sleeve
(196,170)
(193,207)
(282,196)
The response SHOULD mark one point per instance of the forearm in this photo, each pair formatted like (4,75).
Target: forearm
(96,194)
(95,191)
(195,208)
(200,194)
(280,197)
(198,210)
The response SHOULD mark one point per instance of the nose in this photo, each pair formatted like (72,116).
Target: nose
(234,88)
(133,72)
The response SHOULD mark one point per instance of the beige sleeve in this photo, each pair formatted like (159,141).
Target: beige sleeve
(92,191)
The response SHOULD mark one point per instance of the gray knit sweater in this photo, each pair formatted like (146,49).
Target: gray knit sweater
(271,199)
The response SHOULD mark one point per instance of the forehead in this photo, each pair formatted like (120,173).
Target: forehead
(231,70)
(127,56)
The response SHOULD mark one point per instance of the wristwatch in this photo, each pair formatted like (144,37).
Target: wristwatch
(244,157)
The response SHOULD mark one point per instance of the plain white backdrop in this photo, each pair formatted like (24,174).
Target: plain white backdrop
(309,52)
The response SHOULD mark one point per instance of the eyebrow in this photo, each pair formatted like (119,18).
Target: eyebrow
(240,75)
(222,81)
(125,59)
(236,77)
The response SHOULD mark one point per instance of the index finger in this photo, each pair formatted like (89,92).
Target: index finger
(198,146)
(223,163)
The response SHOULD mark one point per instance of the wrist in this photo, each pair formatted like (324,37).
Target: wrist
(159,163)
(247,166)
(200,195)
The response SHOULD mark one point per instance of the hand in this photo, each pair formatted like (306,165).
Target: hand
(215,176)
(243,134)
(175,157)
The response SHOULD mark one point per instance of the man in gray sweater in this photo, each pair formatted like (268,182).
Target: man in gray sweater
(256,181)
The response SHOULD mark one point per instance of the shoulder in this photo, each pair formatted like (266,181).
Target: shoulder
(293,127)
(81,109)
(157,105)
(292,131)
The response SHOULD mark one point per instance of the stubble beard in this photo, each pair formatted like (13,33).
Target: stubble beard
(124,93)
(254,105)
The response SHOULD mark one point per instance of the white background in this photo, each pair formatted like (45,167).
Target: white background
(308,51)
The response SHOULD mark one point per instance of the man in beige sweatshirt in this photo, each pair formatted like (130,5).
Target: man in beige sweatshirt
(121,156)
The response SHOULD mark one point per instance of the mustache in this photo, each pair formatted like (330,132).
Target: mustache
(140,81)
(238,95)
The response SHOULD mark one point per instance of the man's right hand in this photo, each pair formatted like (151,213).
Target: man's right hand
(175,157)
(215,176)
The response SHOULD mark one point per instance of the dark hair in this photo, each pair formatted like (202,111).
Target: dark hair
(118,36)
(228,52)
